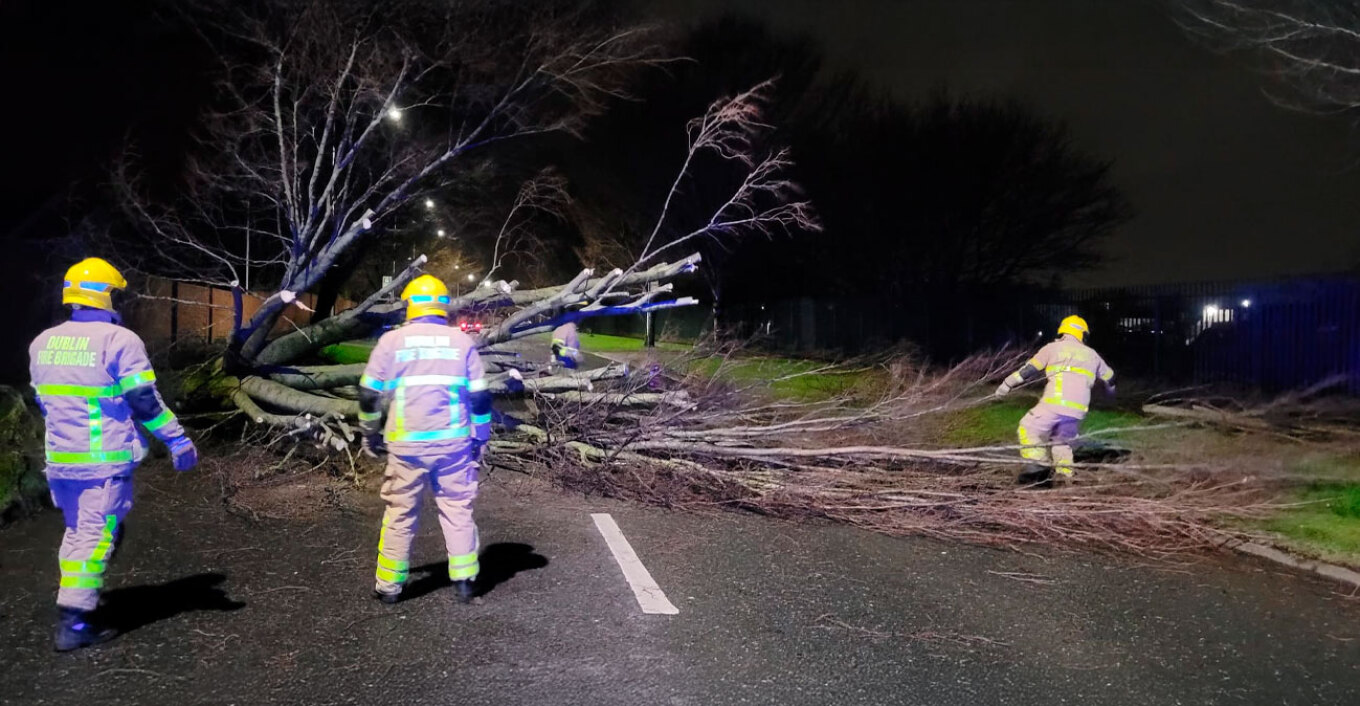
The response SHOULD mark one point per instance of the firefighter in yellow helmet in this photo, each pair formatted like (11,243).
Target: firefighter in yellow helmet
(426,380)
(1072,369)
(93,380)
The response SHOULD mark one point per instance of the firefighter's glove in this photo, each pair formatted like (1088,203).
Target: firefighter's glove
(1004,390)
(374,446)
(183,453)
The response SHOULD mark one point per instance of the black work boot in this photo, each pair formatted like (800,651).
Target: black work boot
(388,598)
(1035,475)
(464,591)
(74,630)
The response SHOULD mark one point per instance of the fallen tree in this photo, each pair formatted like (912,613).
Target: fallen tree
(333,131)
(870,461)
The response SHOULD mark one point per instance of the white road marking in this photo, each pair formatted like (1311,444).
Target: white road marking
(649,595)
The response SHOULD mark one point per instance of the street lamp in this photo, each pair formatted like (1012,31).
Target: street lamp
(440,232)
(472,278)
(429,204)
(394,114)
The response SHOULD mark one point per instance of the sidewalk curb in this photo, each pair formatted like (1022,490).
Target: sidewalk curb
(1334,572)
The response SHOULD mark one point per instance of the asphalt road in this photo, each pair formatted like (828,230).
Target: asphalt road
(225,610)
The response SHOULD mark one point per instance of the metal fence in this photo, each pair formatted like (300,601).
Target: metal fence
(1269,335)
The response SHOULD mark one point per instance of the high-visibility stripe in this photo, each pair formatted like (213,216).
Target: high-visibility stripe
(101,550)
(479,384)
(393,564)
(96,426)
(146,377)
(374,384)
(1030,451)
(463,566)
(369,416)
(162,419)
(1054,369)
(393,570)
(88,456)
(390,576)
(399,412)
(460,432)
(479,419)
(1066,403)
(82,582)
(88,568)
(433,380)
(1107,375)
(88,391)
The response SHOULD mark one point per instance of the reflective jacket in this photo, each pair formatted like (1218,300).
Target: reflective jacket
(1072,368)
(93,380)
(432,388)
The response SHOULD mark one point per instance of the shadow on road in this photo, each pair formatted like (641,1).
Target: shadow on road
(127,609)
(499,563)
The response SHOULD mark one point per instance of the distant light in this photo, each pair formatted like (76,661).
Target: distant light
(472,278)
(1246,303)
(457,267)
(394,114)
(1211,311)
(429,203)
(441,233)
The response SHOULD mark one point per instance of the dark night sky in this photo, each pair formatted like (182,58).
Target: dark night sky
(1226,184)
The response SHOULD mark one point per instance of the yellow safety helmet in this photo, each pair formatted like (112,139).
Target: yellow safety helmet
(426,296)
(91,282)
(1074,325)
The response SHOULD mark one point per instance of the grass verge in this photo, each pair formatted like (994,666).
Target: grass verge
(1326,523)
(605,343)
(996,423)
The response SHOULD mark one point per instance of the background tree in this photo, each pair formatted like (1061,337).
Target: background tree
(1310,47)
(941,206)
(333,122)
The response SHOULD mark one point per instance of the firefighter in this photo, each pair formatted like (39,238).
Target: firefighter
(93,379)
(426,379)
(1072,369)
(566,346)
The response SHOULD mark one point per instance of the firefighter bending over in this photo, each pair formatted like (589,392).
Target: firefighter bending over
(566,346)
(1072,368)
(426,379)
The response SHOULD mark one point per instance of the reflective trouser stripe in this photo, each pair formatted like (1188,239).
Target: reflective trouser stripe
(463,566)
(69,581)
(101,550)
(479,419)
(390,570)
(89,574)
(369,416)
(393,570)
(1065,403)
(1030,450)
